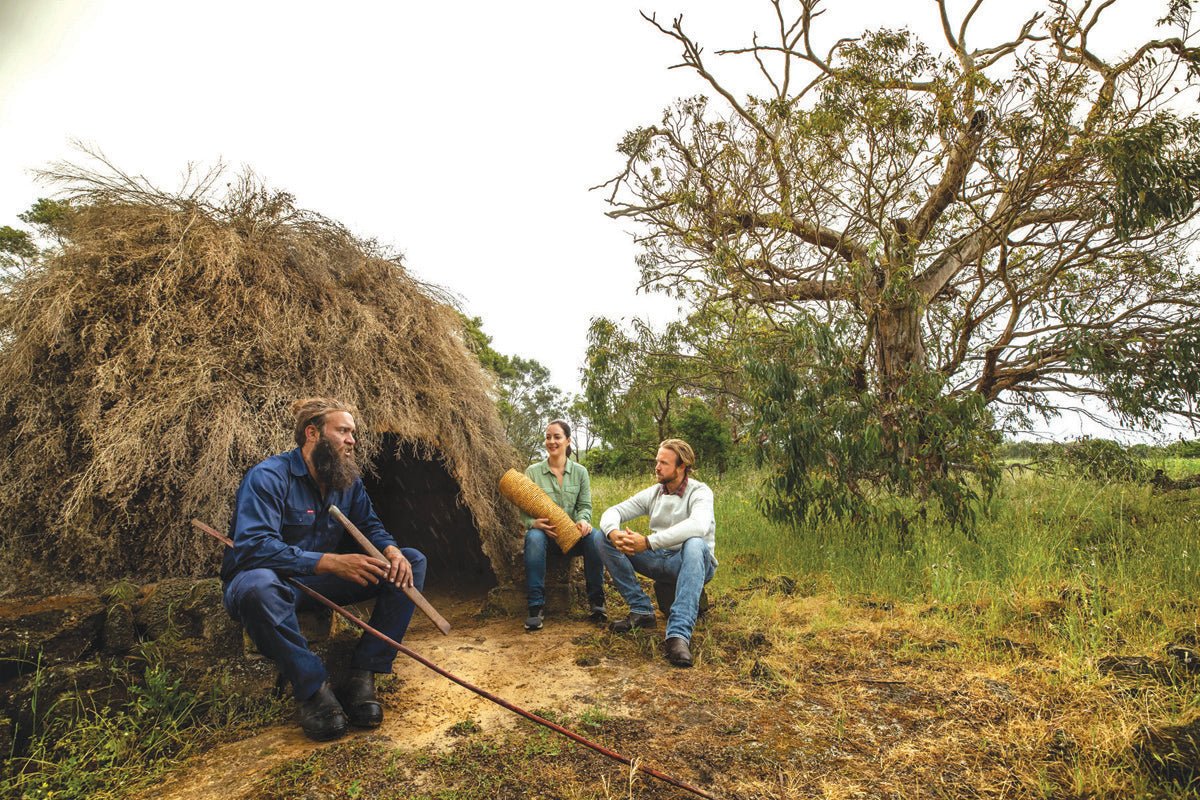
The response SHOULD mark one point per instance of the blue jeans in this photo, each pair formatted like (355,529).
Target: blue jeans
(538,546)
(689,568)
(266,605)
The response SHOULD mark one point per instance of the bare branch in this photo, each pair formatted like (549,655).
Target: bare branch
(961,156)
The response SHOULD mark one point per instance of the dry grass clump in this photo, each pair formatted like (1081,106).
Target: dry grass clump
(150,360)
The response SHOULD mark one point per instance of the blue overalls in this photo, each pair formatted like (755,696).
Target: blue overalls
(281,527)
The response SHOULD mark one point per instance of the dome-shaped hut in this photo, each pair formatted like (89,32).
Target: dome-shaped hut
(149,359)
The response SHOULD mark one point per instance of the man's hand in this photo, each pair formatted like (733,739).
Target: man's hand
(400,570)
(584,526)
(355,567)
(628,542)
(545,527)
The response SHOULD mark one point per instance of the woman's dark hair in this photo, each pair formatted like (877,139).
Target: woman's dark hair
(566,429)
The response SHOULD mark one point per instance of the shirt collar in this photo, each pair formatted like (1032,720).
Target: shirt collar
(546,467)
(296,463)
(678,492)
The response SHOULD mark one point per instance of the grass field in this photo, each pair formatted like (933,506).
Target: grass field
(1068,594)
(1029,660)
(1043,656)
(1040,535)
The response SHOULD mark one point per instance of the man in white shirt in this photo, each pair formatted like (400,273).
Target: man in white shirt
(679,549)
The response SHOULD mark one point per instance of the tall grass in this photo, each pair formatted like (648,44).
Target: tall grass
(1122,558)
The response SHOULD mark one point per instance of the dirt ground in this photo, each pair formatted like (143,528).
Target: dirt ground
(793,696)
(535,671)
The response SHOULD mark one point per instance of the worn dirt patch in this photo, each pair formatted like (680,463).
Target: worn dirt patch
(538,671)
(793,697)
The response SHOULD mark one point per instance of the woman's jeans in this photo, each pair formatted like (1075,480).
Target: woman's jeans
(539,546)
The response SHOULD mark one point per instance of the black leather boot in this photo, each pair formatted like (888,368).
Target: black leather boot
(321,716)
(678,652)
(358,698)
(634,621)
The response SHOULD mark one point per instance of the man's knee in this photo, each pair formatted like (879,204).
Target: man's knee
(605,545)
(420,565)
(535,539)
(693,550)
(595,540)
(259,594)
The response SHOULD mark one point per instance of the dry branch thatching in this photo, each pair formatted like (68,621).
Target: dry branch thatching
(150,361)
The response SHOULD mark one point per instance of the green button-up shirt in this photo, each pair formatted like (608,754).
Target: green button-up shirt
(573,497)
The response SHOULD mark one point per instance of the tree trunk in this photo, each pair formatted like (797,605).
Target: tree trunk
(664,408)
(898,348)
(899,353)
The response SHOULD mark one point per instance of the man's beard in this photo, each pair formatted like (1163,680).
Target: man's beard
(335,471)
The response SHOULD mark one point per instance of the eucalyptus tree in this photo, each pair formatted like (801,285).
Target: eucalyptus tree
(525,396)
(640,377)
(952,229)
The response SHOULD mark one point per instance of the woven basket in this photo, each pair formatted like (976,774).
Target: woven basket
(529,497)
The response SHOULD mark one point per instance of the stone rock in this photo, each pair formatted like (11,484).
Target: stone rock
(1000,690)
(47,631)
(1062,746)
(780,585)
(243,676)
(1188,658)
(119,635)
(223,633)
(182,606)
(565,590)
(1187,637)
(1133,667)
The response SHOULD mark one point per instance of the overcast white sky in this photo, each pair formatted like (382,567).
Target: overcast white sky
(465,134)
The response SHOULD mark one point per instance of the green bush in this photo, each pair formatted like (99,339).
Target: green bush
(1099,460)
(707,435)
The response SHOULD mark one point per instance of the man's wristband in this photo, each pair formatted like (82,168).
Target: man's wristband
(649,549)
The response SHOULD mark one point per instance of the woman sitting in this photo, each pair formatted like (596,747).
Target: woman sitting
(568,485)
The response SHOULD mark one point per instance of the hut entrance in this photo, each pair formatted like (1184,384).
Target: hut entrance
(417,501)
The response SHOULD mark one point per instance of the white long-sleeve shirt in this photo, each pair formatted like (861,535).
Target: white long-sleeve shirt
(673,519)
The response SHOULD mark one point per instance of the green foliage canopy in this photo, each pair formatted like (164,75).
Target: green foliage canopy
(525,397)
(982,225)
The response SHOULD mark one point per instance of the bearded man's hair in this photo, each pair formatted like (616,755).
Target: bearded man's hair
(312,410)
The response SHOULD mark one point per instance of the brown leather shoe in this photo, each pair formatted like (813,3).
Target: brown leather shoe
(358,698)
(677,651)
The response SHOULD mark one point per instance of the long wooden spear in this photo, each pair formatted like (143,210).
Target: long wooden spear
(575,737)
(373,551)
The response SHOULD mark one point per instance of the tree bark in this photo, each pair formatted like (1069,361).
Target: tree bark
(898,348)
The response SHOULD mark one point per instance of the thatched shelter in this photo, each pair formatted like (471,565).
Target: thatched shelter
(150,360)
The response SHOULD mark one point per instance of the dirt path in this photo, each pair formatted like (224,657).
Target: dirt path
(534,671)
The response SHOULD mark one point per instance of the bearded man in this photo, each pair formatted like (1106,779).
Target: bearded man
(281,528)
